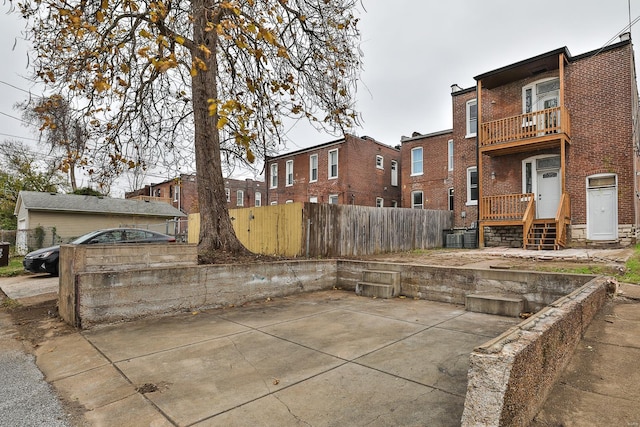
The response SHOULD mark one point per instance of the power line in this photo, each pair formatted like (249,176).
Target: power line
(18,137)
(19,88)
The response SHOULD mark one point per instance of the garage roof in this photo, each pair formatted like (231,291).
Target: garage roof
(55,202)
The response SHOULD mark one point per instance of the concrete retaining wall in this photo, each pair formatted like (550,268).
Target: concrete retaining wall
(452,284)
(511,376)
(113,296)
(76,259)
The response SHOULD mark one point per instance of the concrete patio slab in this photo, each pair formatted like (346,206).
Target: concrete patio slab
(350,395)
(324,358)
(67,356)
(96,388)
(414,359)
(152,335)
(198,381)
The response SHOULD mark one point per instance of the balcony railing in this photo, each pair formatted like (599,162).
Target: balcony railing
(505,207)
(524,126)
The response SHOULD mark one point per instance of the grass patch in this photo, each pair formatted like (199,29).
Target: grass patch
(14,268)
(10,303)
(632,270)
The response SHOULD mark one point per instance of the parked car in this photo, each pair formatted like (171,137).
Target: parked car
(46,260)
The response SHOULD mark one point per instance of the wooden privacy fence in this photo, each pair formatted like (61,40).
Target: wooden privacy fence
(324,230)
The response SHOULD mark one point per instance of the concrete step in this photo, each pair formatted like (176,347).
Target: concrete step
(502,305)
(381,276)
(375,290)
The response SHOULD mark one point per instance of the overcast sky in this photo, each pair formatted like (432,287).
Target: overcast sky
(413,52)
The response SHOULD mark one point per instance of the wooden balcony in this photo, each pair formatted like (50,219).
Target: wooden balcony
(530,131)
(505,209)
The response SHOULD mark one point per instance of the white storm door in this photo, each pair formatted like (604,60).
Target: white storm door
(602,212)
(548,193)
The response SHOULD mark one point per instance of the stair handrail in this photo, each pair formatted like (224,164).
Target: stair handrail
(527,220)
(563,217)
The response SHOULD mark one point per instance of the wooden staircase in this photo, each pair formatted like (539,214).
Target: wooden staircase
(543,235)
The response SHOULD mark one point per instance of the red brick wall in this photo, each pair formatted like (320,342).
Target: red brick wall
(465,153)
(599,97)
(436,179)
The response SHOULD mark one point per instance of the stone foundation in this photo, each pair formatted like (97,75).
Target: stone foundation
(510,236)
(627,235)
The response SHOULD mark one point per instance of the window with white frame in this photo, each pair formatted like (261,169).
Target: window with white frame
(227,191)
(379,162)
(472,186)
(258,199)
(394,203)
(333,199)
(288,201)
(417,200)
(472,118)
(450,155)
(540,95)
(379,202)
(333,164)
(240,198)
(394,173)
(416,161)
(273,203)
(289,166)
(313,168)
(313,199)
(274,175)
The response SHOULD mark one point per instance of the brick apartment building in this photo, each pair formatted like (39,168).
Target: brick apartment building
(427,171)
(182,192)
(351,170)
(543,153)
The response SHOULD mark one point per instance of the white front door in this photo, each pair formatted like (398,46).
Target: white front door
(602,208)
(548,193)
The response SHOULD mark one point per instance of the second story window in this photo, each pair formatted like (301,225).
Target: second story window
(416,161)
(450,155)
(472,118)
(333,164)
(274,175)
(258,199)
(394,173)
(289,173)
(472,186)
(313,168)
(379,162)
(240,198)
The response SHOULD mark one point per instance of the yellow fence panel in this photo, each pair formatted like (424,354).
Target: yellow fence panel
(268,230)
(194,228)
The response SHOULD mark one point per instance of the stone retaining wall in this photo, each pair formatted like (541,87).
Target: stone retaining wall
(511,376)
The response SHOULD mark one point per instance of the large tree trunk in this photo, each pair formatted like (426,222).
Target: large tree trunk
(216,230)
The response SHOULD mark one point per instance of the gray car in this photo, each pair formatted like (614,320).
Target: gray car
(45,260)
